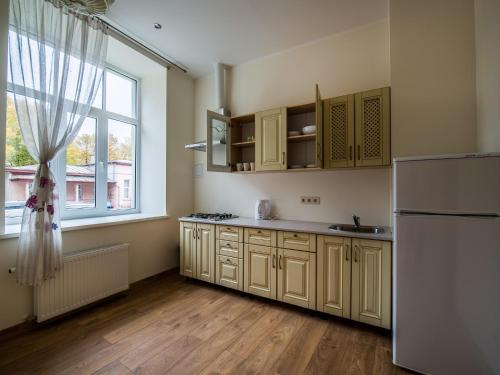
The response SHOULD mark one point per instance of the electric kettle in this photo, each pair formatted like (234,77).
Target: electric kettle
(262,209)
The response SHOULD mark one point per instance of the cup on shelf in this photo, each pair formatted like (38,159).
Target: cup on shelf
(239,167)
(246,166)
(252,166)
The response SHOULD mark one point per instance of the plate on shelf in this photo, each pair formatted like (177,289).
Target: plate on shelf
(311,166)
(310,129)
(295,166)
(293,133)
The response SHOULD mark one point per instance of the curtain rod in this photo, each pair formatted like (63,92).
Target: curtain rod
(138,46)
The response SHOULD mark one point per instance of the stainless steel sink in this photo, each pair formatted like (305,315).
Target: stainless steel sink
(356,229)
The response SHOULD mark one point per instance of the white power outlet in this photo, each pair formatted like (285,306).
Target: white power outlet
(309,200)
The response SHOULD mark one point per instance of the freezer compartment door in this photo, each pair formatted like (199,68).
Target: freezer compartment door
(447,294)
(448,185)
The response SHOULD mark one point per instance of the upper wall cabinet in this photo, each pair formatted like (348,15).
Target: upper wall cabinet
(304,135)
(270,140)
(350,131)
(218,136)
(357,130)
(338,125)
(373,128)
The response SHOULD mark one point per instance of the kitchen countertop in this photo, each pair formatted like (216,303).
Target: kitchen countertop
(294,226)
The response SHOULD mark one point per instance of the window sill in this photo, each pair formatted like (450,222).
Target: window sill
(12,231)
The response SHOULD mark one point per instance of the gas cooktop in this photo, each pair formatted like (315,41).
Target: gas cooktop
(214,217)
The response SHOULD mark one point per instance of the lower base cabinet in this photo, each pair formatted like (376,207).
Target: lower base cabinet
(346,277)
(281,274)
(354,279)
(229,272)
(197,255)
(297,278)
(260,270)
(334,275)
(371,282)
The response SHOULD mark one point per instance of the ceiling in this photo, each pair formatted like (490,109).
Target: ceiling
(197,33)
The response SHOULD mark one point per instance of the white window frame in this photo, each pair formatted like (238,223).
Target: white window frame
(58,165)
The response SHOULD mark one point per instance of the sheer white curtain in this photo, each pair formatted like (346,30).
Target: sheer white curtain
(56,63)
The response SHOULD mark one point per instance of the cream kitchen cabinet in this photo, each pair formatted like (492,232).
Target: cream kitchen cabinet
(188,249)
(371,282)
(373,130)
(286,275)
(229,258)
(271,140)
(229,272)
(354,279)
(357,130)
(338,123)
(197,256)
(297,277)
(342,276)
(334,275)
(260,270)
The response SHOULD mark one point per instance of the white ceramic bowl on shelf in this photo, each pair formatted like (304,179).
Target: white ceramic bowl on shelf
(310,129)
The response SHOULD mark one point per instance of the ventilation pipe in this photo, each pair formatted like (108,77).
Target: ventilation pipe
(221,75)
(221,78)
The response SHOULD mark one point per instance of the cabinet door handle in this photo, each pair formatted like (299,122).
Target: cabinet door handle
(274,261)
(199,233)
(283,158)
(359,152)
(279,263)
(350,152)
(194,234)
(356,254)
(346,253)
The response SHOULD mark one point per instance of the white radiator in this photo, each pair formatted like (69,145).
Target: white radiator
(86,277)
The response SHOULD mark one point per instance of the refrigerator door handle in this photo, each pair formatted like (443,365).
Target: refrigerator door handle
(404,212)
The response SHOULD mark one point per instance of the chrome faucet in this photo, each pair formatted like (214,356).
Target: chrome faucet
(356,219)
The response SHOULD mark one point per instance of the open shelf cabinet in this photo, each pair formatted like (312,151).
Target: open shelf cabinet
(242,140)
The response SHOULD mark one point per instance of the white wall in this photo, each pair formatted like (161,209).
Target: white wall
(488,74)
(341,64)
(153,244)
(432,77)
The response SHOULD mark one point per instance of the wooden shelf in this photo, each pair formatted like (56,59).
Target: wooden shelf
(302,138)
(244,172)
(243,144)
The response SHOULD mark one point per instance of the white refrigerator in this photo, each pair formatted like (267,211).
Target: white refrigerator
(446,266)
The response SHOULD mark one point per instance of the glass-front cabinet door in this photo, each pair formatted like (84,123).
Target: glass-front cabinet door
(218,142)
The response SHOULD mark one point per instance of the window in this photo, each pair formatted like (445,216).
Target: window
(96,176)
(126,189)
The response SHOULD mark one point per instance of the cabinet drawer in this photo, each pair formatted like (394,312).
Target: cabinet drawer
(264,237)
(297,241)
(229,272)
(229,233)
(230,248)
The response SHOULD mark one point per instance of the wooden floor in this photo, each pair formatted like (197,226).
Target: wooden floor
(172,325)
